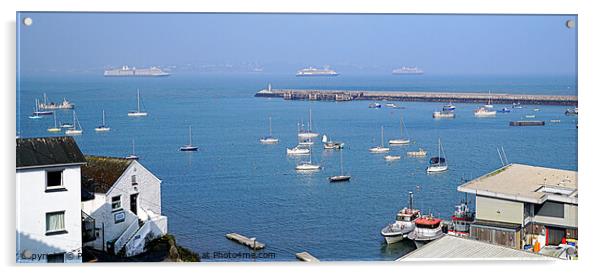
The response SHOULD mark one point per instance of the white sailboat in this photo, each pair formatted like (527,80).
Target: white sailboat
(438,163)
(297,150)
(189,147)
(489,105)
(401,140)
(76,129)
(133,156)
(307,133)
(35,114)
(381,148)
(269,139)
(138,111)
(342,176)
(392,157)
(307,165)
(103,127)
(56,128)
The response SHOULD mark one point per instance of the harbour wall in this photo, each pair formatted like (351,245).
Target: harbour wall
(460,97)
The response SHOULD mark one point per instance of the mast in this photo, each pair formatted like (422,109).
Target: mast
(411,200)
(382,136)
(190,135)
(309,119)
(138,99)
(54,115)
(401,126)
(270,119)
(341,162)
(74,127)
(103,118)
(133,147)
(439,151)
(45,99)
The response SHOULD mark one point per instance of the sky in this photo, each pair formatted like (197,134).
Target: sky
(439,44)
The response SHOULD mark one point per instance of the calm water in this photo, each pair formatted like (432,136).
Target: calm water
(235,184)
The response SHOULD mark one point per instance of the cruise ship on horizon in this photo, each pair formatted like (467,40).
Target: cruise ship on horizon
(133,71)
(408,70)
(311,71)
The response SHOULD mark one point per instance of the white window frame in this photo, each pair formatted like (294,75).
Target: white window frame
(113,208)
(64,229)
(62,186)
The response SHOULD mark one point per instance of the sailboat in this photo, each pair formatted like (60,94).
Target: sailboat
(269,139)
(307,165)
(41,112)
(329,144)
(189,147)
(103,127)
(35,114)
(133,156)
(76,129)
(381,148)
(342,176)
(138,112)
(307,133)
(401,140)
(55,128)
(438,163)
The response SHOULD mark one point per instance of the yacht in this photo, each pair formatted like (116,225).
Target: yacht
(297,150)
(307,133)
(75,130)
(403,225)
(189,147)
(342,176)
(66,125)
(438,163)
(103,127)
(489,105)
(401,140)
(40,112)
(374,105)
(35,114)
(381,148)
(428,228)
(269,139)
(392,157)
(444,114)
(572,112)
(420,153)
(138,111)
(484,112)
(56,128)
(306,142)
(133,156)
(308,165)
(329,144)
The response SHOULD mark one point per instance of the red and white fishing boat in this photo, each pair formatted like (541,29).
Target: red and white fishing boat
(428,228)
(462,218)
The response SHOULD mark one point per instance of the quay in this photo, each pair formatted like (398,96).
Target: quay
(250,242)
(459,97)
(306,257)
(528,123)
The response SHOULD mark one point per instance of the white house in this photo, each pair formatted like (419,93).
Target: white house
(48,185)
(124,209)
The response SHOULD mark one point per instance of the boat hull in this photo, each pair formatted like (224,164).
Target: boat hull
(391,158)
(102,129)
(379,150)
(54,130)
(399,141)
(394,239)
(339,178)
(297,151)
(307,167)
(73,132)
(137,114)
(308,135)
(268,141)
(436,169)
(189,148)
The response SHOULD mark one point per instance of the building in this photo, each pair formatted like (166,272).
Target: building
(122,204)
(520,205)
(457,248)
(48,186)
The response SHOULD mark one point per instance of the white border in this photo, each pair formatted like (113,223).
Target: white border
(590,102)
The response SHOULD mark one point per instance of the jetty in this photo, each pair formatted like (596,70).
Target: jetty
(250,242)
(306,257)
(461,97)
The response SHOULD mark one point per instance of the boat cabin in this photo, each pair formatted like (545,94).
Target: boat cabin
(437,161)
(408,215)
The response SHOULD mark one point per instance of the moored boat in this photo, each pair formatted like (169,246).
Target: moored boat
(308,165)
(392,157)
(307,133)
(189,147)
(55,128)
(420,153)
(138,112)
(403,225)
(75,130)
(103,127)
(462,218)
(401,140)
(269,139)
(438,163)
(572,111)
(342,176)
(381,148)
(444,114)
(484,112)
(428,228)
(133,156)
(374,105)
(449,107)
(297,150)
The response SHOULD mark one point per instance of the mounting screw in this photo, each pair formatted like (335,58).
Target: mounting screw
(27,21)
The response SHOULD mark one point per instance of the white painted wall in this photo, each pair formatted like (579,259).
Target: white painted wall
(33,202)
(498,210)
(149,198)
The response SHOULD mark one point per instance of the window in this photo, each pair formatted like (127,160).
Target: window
(55,223)
(54,179)
(116,202)
(56,258)
(550,209)
(134,182)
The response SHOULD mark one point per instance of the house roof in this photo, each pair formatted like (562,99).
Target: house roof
(48,151)
(100,173)
(526,183)
(457,248)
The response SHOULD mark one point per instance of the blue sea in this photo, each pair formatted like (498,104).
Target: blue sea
(235,184)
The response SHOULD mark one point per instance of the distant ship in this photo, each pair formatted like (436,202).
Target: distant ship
(317,72)
(408,70)
(127,71)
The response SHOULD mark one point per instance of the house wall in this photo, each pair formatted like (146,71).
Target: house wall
(569,219)
(148,188)
(32,204)
(491,209)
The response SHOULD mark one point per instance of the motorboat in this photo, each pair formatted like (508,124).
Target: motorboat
(449,107)
(484,112)
(428,228)
(403,225)
(374,105)
(462,218)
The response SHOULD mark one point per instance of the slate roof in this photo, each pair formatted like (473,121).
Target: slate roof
(100,173)
(47,151)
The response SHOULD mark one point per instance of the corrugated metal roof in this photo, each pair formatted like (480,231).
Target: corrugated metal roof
(456,248)
(47,151)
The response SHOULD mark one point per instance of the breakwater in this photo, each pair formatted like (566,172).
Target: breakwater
(348,95)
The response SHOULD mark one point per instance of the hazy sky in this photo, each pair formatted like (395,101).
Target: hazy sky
(441,44)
